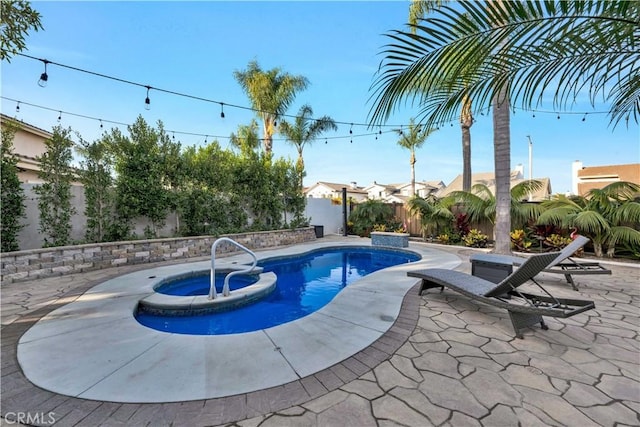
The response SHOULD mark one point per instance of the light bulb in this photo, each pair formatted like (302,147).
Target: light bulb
(43,79)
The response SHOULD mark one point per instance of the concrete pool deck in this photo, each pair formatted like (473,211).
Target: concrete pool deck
(441,360)
(93,348)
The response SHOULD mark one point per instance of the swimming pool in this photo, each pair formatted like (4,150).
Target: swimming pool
(305,283)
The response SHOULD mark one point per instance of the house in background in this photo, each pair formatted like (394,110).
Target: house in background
(595,177)
(28,144)
(401,193)
(488,179)
(330,190)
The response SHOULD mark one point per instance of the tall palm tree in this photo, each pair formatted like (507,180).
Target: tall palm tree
(417,11)
(607,216)
(304,130)
(271,93)
(505,52)
(413,138)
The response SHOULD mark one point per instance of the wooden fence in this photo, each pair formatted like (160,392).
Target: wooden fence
(413,223)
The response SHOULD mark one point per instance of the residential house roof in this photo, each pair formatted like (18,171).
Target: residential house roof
(488,179)
(595,177)
(337,187)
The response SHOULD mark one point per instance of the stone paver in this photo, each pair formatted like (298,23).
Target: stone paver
(447,361)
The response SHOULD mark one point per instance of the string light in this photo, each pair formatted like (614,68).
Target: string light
(147,101)
(147,104)
(44,77)
(350,136)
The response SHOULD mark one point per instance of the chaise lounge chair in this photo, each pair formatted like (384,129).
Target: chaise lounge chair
(564,264)
(524,309)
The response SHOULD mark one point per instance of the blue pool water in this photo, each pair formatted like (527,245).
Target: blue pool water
(305,284)
(199,284)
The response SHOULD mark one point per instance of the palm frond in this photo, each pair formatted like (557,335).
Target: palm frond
(624,234)
(531,48)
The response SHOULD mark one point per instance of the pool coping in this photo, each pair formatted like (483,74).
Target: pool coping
(302,389)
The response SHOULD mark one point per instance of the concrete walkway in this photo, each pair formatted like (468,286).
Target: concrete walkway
(444,361)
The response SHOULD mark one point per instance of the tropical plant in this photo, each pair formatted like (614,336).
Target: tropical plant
(54,194)
(480,203)
(304,130)
(475,239)
(443,238)
(435,213)
(16,19)
(271,93)
(557,242)
(12,193)
(512,51)
(520,240)
(608,216)
(246,139)
(413,138)
(369,213)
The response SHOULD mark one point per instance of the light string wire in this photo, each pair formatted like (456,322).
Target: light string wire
(184,95)
(208,135)
(222,104)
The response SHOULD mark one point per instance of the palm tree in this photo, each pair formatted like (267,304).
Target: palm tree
(481,204)
(412,139)
(607,216)
(271,93)
(246,139)
(417,10)
(305,130)
(435,213)
(512,51)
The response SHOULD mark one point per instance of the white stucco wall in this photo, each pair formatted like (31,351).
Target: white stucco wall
(323,212)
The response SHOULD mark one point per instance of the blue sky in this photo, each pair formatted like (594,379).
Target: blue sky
(194,48)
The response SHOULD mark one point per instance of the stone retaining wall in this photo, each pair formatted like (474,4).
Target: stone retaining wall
(35,263)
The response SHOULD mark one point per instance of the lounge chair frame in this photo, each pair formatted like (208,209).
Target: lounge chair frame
(524,309)
(564,264)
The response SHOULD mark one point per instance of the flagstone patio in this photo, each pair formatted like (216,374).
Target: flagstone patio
(446,361)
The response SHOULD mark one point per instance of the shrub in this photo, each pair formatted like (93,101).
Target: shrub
(369,213)
(520,241)
(475,239)
(444,239)
(379,227)
(557,242)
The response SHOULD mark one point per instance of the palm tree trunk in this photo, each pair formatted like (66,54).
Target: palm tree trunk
(597,249)
(466,120)
(267,139)
(502,166)
(413,172)
(300,166)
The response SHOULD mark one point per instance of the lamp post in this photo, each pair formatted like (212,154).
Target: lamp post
(530,164)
